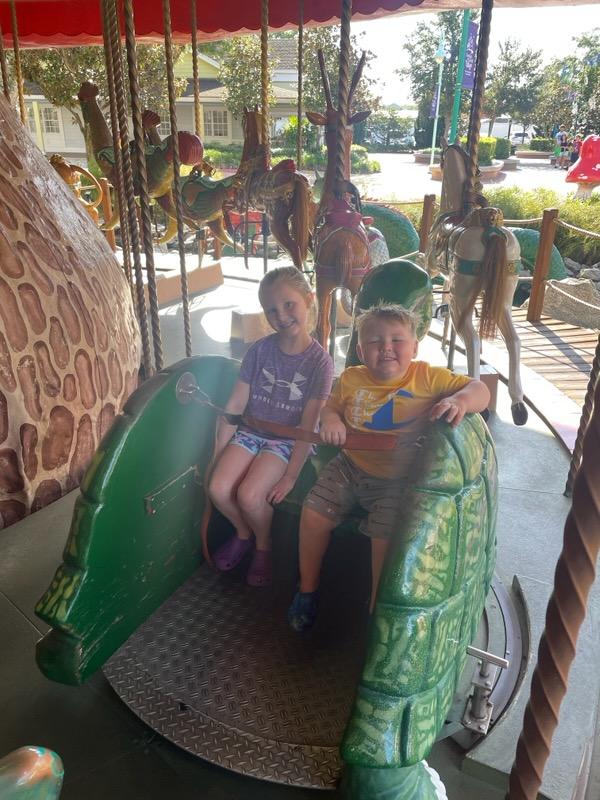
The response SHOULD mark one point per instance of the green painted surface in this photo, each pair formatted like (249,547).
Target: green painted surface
(529,241)
(31,773)
(400,234)
(134,535)
(397,281)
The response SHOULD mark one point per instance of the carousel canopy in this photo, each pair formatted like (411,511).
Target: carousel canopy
(47,23)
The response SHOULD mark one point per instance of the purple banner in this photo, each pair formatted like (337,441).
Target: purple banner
(468,80)
(433,108)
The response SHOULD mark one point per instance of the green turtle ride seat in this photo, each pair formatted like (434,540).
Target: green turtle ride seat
(211,664)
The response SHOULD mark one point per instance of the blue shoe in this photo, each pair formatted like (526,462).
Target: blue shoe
(303,611)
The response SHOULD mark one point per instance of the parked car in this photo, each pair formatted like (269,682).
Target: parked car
(520,138)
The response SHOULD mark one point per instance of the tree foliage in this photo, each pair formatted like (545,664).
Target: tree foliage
(387,127)
(240,74)
(514,83)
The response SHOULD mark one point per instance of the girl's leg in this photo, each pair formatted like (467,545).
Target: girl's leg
(264,472)
(379,548)
(315,533)
(227,475)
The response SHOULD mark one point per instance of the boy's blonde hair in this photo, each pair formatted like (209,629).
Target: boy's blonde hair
(289,275)
(389,312)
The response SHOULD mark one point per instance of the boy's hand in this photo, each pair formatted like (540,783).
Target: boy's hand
(333,431)
(452,409)
(281,489)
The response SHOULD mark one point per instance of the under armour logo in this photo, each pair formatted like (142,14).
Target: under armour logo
(294,385)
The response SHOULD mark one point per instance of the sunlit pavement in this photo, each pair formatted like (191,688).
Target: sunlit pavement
(402,179)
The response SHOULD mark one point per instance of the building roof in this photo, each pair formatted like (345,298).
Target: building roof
(217,94)
(283,53)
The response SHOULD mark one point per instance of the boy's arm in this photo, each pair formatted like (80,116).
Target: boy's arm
(238,400)
(333,429)
(475,396)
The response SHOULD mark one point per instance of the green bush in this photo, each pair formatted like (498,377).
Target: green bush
(487,149)
(502,148)
(543,145)
(517,204)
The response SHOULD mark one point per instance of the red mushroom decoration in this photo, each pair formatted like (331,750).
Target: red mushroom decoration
(585,172)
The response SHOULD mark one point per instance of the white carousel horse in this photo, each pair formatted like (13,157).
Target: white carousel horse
(477,255)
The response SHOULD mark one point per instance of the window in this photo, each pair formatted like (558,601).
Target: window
(164,129)
(31,121)
(50,120)
(215,123)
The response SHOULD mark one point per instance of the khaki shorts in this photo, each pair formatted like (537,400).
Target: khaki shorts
(342,486)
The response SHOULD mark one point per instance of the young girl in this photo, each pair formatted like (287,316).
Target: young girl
(286,378)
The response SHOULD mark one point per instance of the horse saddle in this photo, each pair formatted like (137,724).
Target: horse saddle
(341,214)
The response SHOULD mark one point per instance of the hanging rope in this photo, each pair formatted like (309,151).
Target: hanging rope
(134,235)
(114,124)
(187,329)
(574,576)
(264,80)
(195,71)
(4,67)
(477,103)
(140,159)
(18,72)
(586,413)
(343,95)
(300,87)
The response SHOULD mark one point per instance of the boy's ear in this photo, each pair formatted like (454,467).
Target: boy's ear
(416,350)
(359,353)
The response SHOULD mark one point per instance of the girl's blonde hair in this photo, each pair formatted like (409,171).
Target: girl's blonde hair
(390,312)
(290,275)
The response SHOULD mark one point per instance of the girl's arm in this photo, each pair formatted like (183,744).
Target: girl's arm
(310,417)
(238,400)
(475,396)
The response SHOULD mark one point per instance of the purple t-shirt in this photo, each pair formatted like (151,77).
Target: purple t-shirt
(280,384)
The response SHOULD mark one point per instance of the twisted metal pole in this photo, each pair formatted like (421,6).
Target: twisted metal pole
(134,234)
(343,96)
(264,80)
(114,125)
(4,67)
(300,86)
(140,160)
(574,576)
(195,70)
(187,328)
(18,71)
(586,413)
(477,102)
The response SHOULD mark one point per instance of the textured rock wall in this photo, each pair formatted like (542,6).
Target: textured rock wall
(69,341)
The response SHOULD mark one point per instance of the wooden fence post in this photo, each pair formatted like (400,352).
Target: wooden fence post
(426,221)
(107,212)
(542,264)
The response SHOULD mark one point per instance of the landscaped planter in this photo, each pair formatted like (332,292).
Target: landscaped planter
(485,172)
(532,154)
(510,163)
(425,158)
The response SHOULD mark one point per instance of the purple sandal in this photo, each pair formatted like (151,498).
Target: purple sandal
(229,555)
(260,573)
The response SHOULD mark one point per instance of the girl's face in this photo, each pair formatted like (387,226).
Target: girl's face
(286,309)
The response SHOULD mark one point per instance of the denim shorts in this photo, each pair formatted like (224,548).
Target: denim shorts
(255,444)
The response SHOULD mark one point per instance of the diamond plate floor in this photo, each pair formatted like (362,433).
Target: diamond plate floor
(218,672)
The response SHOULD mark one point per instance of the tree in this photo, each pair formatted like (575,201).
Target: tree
(422,71)
(514,83)
(240,74)
(586,82)
(59,72)
(555,103)
(387,127)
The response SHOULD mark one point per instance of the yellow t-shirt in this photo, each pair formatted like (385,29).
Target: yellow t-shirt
(399,406)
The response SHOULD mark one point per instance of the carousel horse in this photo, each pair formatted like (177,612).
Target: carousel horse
(202,198)
(281,193)
(71,175)
(477,255)
(340,239)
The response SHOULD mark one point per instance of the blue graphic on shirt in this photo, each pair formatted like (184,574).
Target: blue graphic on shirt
(383,418)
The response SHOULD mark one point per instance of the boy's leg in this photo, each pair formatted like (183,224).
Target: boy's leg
(379,548)
(315,533)
(227,475)
(264,472)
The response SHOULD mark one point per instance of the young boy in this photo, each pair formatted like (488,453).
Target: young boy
(390,393)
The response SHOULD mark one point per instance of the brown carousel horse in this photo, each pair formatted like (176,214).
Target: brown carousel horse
(281,193)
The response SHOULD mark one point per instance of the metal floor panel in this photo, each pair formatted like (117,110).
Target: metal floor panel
(217,671)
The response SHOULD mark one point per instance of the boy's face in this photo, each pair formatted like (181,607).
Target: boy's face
(386,348)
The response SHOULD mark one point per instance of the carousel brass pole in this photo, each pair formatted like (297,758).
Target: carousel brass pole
(114,124)
(264,80)
(574,576)
(343,96)
(195,70)
(140,158)
(18,71)
(477,102)
(4,68)
(187,329)
(134,234)
(300,87)
(586,413)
